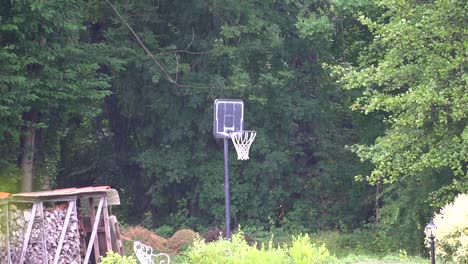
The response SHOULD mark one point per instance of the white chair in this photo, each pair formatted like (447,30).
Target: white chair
(145,254)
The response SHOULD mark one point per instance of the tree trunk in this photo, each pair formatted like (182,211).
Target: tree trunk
(27,158)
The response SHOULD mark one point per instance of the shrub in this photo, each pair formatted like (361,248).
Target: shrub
(452,230)
(238,251)
(303,252)
(114,258)
(10,179)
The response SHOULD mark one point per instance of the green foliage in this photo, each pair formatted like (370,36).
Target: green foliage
(165,230)
(413,72)
(47,68)
(250,50)
(109,115)
(303,252)
(452,230)
(114,258)
(10,178)
(357,242)
(397,258)
(238,251)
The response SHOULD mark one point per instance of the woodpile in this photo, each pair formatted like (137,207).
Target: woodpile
(46,229)
(3,237)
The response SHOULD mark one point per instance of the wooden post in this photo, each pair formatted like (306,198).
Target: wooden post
(92,218)
(115,230)
(94,232)
(71,204)
(44,242)
(28,233)
(107,227)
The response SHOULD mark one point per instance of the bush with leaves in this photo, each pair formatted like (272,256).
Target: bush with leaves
(10,178)
(303,251)
(114,258)
(452,230)
(238,251)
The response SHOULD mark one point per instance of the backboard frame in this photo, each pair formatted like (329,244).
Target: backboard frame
(235,110)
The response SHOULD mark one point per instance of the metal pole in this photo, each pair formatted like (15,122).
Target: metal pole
(226,188)
(432,250)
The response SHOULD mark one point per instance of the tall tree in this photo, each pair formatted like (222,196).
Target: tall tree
(45,69)
(414,73)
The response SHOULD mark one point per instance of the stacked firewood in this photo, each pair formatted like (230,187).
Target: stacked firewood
(45,229)
(17,227)
(3,237)
(54,222)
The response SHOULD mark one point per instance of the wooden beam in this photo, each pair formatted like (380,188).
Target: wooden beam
(92,218)
(28,233)
(44,242)
(107,227)
(75,210)
(93,233)
(117,243)
(71,204)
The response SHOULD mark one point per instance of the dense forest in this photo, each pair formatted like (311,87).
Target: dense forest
(360,107)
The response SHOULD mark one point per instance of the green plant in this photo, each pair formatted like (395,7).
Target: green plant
(343,244)
(303,251)
(114,258)
(235,251)
(452,230)
(238,251)
(165,230)
(10,178)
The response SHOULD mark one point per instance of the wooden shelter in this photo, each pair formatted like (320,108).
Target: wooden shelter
(59,226)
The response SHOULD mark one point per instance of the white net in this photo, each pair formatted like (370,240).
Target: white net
(242,141)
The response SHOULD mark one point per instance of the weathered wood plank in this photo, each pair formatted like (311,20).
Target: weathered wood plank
(44,243)
(113,197)
(28,233)
(117,245)
(71,204)
(107,227)
(76,215)
(92,217)
(92,239)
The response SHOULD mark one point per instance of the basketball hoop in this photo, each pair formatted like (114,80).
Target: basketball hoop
(242,140)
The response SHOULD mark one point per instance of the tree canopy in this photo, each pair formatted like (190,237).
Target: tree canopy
(414,72)
(121,93)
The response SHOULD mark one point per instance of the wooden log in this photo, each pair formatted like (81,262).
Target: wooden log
(92,240)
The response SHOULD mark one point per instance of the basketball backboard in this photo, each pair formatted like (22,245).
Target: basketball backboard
(228,117)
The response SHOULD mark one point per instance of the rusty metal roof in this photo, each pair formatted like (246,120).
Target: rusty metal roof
(63,192)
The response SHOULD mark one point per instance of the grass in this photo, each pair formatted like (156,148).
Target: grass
(382,259)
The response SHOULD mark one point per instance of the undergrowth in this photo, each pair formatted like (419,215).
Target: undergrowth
(238,251)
